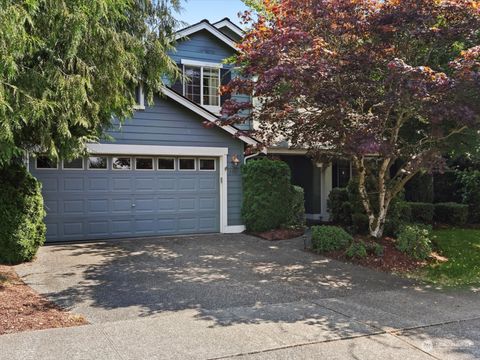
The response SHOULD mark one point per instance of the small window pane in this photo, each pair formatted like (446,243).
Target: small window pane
(44,162)
(166,164)
(207,164)
(144,164)
(186,164)
(74,164)
(122,163)
(97,162)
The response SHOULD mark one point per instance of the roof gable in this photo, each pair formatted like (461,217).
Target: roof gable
(205,25)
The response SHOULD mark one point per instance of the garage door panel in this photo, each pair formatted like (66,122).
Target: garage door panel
(95,206)
(122,184)
(74,207)
(105,204)
(97,183)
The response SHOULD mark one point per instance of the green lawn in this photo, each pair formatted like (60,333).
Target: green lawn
(462,248)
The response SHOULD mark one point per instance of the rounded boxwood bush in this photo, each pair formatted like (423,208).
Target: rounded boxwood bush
(22,230)
(267,195)
(451,213)
(415,241)
(329,238)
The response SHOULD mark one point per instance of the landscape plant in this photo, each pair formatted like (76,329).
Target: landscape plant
(390,85)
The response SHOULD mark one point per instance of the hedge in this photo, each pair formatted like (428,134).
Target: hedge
(422,212)
(329,238)
(269,199)
(451,213)
(22,230)
(470,191)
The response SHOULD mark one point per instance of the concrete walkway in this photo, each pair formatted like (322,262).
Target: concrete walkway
(236,296)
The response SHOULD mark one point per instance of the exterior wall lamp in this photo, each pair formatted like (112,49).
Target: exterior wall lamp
(235,160)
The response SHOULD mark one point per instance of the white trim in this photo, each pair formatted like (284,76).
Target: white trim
(155,150)
(314,216)
(213,65)
(74,169)
(286,151)
(51,168)
(214,164)
(140,105)
(234,229)
(223,180)
(144,157)
(187,158)
(205,114)
(227,23)
(97,169)
(204,25)
(167,158)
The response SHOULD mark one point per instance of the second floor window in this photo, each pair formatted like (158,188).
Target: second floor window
(202,85)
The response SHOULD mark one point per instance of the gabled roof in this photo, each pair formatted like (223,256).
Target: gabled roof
(205,25)
(226,22)
(207,115)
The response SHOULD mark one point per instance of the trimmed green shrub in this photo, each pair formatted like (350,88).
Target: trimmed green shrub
(360,224)
(297,213)
(470,191)
(269,199)
(329,238)
(451,213)
(22,230)
(422,212)
(415,241)
(375,248)
(357,249)
(339,206)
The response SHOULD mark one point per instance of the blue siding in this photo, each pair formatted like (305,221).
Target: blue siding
(203,46)
(170,124)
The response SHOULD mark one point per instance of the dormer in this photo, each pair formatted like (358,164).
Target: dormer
(201,51)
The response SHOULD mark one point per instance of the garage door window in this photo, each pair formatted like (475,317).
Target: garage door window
(44,162)
(186,164)
(207,164)
(97,163)
(166,164)
(122,163)
(76,164)
(144,164)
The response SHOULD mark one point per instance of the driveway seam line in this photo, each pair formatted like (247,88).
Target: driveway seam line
(112,344)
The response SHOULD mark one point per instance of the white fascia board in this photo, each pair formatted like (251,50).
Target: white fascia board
(155,150)
(228,24)
(205,114)
(285,151)
(210,28)
(201,63)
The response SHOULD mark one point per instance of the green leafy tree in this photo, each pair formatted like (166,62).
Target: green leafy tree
(388,84)
(67,67)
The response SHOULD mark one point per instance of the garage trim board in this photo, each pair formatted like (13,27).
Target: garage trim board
(220,155)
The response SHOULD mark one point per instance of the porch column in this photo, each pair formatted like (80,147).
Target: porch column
(326,189)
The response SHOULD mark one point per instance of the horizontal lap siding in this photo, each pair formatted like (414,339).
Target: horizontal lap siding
(167,123)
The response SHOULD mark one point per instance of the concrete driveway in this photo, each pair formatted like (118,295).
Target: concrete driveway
(219,296)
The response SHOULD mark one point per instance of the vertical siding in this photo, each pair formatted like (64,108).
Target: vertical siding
(170,124)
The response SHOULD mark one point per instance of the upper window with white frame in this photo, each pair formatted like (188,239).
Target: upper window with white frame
(202,84)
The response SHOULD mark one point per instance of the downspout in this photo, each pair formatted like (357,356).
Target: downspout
(250,157)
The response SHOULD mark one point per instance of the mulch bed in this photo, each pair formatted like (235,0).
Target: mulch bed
(280,234)
(393,260)
(22,309)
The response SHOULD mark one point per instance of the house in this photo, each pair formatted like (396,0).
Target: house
(165,173)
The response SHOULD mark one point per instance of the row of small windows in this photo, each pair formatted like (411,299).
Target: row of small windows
(127,163)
